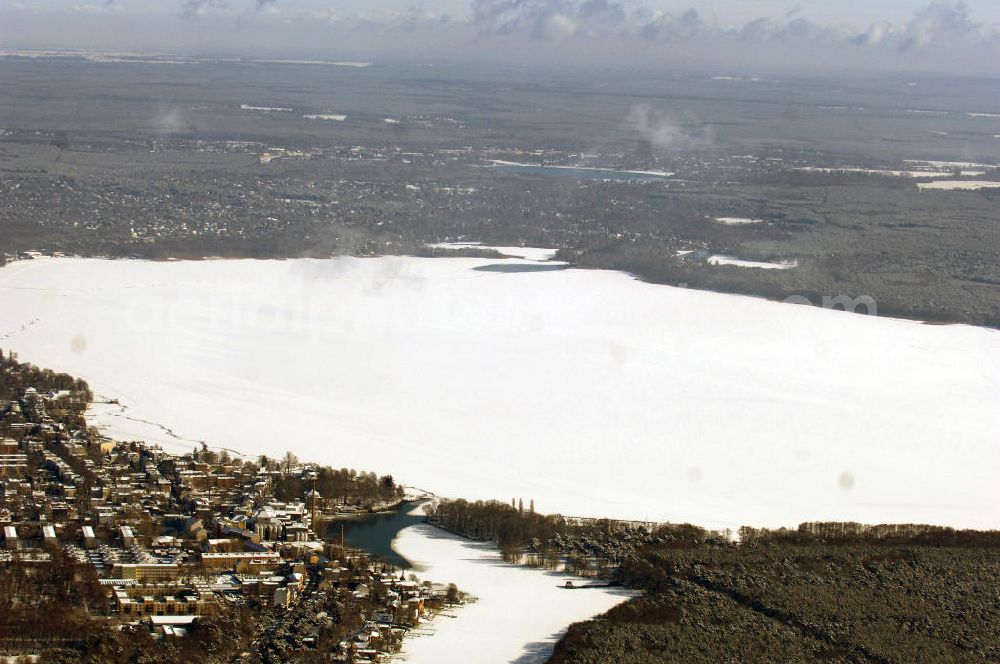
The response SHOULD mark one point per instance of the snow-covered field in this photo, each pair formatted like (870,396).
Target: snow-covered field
(588,391)
(266,109)
(356,65)
(959,185)
(737,221)
(333,117)
(951,165)
(520,612)
(898,174)
(719,259)
(501,162)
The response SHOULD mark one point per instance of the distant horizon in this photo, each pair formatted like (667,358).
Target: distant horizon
(889,37)
(362,61)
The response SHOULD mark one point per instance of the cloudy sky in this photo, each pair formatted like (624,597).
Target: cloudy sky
(737,35)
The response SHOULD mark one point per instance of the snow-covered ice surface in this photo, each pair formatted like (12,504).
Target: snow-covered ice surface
(520,612)
(588,391)
(115,418)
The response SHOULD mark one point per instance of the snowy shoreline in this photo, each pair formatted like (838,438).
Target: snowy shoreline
(519,612)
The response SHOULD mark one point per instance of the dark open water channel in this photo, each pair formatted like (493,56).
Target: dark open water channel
(374,533)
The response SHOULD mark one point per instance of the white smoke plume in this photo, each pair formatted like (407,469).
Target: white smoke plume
(664,133)
(171,121)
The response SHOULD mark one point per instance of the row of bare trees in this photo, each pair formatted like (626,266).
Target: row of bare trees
(895,534)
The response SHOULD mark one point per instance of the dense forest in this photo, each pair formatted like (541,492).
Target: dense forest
(834,592)
(800,602)
(825,592)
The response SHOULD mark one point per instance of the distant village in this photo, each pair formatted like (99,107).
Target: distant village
(166,541)
(266,199)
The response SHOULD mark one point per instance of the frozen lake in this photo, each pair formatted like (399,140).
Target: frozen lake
(588,391)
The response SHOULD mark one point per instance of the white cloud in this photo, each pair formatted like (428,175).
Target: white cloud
(194,8)
(940,21)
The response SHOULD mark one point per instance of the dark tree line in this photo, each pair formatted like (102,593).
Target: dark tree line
(16,377)
(597,546)
(895,534)
(347,485)
(497,522)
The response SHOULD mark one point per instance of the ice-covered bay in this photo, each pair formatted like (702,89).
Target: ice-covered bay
(588,391)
